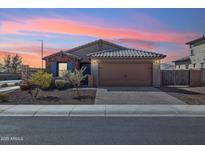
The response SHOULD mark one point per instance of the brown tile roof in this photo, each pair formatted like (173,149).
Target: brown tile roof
(125,53)
(196,40)
(187,58)
(94,42)
(81,55)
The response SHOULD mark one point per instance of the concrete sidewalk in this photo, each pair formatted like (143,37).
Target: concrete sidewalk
(102,110)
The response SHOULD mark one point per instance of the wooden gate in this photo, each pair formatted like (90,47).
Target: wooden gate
(175,77)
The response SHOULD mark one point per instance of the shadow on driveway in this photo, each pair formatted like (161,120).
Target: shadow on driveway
(181,91)
(135,89)
(186,95)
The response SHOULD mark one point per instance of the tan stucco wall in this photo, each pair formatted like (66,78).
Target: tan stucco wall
(94,71)
(156,73)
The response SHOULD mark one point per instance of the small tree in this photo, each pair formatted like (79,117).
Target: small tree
(11,64)
(75,78)
(7,63)
(1,66)
(16,63)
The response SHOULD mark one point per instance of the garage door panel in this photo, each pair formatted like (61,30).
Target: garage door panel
(125,74)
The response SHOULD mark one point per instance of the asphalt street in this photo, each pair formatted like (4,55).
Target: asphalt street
(101,130)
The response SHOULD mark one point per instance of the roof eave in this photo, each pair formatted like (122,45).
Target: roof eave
(196,40)
(64,53)
(182,60)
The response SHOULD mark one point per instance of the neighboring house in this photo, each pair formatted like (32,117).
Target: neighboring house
(110,64)
(196,59)
(167,67)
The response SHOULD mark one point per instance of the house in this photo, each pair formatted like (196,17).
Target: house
(109,64)
(196,59)
(164,66)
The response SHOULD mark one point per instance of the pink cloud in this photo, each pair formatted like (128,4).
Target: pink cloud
(78,28)
(134,37)
(136,43)
(28,48)
(30,53)
(175,54)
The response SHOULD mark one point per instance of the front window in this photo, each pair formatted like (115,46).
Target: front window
(202,65)
(61,68)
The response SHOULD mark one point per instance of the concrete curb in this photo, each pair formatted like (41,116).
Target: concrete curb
(103,110)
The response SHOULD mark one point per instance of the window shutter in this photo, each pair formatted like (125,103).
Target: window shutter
(54,69)
(70,67)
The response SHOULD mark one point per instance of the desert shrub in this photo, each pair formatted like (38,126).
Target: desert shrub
(41,79)
(52,86)
(60,84)
(4,85)
(4,97)
(24,86)
(75,78)
(68,84)
(17,84)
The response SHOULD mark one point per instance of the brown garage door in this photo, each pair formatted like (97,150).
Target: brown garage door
(125,74)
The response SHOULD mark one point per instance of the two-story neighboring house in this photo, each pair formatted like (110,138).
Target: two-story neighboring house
(196,59)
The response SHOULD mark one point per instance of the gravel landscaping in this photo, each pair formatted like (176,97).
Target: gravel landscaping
(66,96)
(187,95)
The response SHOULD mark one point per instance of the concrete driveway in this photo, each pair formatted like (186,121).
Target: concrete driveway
(195,89)
(134,95)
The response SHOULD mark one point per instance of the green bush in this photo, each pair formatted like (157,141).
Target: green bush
(4,85)
(4,97)
(41,79)
(60,84)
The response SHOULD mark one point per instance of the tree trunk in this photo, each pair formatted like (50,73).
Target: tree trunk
(36,93)
(32,97)
(77,90)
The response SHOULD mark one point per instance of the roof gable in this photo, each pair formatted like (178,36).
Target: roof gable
(80,52)
(97,42)
(62,53)
(91,47)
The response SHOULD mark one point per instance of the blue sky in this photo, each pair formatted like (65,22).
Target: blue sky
(160,30)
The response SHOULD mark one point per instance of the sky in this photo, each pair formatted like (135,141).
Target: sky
(157,30)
